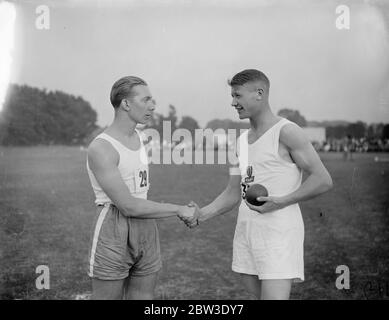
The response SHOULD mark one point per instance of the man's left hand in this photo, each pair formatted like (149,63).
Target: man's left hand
(271,204)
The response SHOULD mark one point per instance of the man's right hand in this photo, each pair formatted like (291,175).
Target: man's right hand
(189,215)
(186,213)
(194,222)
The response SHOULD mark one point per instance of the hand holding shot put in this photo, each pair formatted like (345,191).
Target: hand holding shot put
(258,199)
(269,160)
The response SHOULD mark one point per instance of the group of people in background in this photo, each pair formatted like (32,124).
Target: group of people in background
(350,144)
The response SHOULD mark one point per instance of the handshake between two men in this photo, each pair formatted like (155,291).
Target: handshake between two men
(190,214)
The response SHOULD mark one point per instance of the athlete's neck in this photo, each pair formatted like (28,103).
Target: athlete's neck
(122,125)
(263,119)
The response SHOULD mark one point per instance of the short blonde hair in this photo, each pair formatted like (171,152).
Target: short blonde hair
(249,75)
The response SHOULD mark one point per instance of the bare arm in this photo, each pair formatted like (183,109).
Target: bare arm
(103,160)
(307,159)
(226,201)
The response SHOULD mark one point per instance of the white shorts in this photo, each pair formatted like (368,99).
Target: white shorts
(271,251)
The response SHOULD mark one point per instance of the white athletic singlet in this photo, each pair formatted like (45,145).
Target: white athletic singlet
(270,244)
(133,167)
(262,164)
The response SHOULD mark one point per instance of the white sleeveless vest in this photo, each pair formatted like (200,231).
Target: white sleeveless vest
(260,162)
(133,167)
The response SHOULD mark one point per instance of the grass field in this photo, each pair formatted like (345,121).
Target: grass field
(50,188)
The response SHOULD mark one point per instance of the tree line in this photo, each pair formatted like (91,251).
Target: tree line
(340,129)
(33,116)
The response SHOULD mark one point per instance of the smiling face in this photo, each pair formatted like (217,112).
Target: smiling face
(247,99)
(140,105)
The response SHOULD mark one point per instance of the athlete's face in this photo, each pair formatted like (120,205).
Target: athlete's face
(141,105)
(246,99)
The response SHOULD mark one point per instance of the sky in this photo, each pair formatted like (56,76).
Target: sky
(187,50)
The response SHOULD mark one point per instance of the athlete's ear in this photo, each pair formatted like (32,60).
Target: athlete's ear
(260,94)
(126,105)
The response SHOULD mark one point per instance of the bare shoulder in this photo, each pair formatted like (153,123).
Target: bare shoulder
(293,136)
(102,150)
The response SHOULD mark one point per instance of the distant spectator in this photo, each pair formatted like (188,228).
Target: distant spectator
(348,148)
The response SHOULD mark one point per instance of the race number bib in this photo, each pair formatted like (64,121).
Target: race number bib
(244,189)
(247,180)
(141,180)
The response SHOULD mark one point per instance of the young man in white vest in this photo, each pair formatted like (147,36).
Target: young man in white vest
(268,240)
(125,255)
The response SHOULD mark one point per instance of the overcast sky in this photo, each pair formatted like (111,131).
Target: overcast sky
(186,51)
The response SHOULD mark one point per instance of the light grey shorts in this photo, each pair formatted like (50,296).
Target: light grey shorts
(122,246)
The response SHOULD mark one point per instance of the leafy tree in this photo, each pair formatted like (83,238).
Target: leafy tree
(336,132)
(357,129)
(172,117)
(293,115)
(227,124)
(33,116)
(189,123)
(385,131)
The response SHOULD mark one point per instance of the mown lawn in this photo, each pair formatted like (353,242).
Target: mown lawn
(47,190)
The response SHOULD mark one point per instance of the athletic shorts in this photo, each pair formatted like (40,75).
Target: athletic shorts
(122,246)
(269,251)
